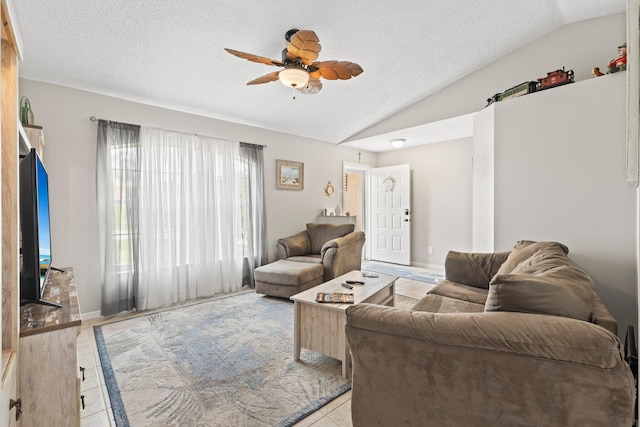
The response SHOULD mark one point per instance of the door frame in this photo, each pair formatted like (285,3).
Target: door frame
(365,170)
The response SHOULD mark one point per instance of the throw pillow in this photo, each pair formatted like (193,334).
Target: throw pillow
(561,291)
(473,269)
(319,234)
(524,249)
(542,260)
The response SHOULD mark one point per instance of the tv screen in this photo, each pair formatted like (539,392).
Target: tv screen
(36,229)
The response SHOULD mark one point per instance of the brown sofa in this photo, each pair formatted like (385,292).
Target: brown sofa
(310,257)
(517,338)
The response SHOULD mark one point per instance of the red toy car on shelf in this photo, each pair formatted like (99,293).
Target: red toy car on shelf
(555,78)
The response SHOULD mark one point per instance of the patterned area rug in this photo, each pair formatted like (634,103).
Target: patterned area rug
(402,271)
(226,362)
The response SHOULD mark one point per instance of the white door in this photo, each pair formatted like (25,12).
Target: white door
(391,214)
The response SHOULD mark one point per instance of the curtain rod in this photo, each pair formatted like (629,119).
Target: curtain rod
(95,119)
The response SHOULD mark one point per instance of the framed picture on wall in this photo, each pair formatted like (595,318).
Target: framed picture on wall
(289,175)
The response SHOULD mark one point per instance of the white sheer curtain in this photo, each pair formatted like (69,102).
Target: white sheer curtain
(190,221)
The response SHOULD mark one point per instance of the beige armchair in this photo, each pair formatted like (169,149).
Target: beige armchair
(310,257)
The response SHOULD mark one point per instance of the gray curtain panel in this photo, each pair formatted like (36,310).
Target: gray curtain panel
(117,189)
(254,221)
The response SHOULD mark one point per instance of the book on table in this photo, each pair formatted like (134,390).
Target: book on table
(339,297)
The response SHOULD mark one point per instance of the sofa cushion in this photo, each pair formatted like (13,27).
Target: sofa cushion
(313,259)
(289,273)
(440,304)
(295,245)
(461,292)
(319,234)
(473,269)
(523,250)
(560,291)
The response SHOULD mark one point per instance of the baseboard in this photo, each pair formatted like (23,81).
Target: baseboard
(427,265)
(91,315)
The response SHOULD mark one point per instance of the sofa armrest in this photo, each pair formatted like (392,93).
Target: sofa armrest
(420,368)
(342,254)
(295,245)
(473,269)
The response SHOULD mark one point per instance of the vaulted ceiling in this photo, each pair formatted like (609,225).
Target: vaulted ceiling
(171,53)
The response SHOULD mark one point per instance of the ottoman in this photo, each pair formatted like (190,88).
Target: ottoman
(285,278)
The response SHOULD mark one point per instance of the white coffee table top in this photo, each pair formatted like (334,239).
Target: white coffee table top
(361,293)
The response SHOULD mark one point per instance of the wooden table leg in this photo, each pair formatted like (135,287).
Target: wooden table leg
(296,331)
(346,355)
(346,363)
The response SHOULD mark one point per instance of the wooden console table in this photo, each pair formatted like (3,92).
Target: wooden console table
(48,357)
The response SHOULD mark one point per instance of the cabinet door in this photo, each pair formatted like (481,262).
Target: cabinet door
(8,391)
(48,379)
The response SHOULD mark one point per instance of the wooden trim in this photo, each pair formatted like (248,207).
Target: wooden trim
(10,27)
(633,92)
(10,243)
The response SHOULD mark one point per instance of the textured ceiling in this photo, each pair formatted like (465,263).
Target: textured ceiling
(171,54)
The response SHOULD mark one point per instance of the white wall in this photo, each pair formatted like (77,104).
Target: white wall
(579,47)
(560,176)
(440,197)
(483,178)
(70,158)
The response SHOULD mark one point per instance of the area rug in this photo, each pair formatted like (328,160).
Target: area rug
(402,271)
(225,362)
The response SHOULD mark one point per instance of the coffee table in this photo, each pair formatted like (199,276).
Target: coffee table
(319,326)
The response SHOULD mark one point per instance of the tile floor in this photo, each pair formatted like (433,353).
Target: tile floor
(97,411)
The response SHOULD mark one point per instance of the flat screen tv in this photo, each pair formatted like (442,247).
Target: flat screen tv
(35,227)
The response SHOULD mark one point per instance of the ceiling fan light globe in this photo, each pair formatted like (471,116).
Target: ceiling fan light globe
(294,77)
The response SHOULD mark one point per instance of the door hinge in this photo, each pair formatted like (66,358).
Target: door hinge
(18,406)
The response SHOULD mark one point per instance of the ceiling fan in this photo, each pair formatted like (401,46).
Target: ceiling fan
(301,70)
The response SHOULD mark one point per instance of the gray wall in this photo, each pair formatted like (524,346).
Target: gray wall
(559,175)
(70,158)
(440,198)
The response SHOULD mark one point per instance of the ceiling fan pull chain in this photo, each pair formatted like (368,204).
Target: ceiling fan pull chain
(294,93)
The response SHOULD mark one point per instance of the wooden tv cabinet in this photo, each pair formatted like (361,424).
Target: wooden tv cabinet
(49,381)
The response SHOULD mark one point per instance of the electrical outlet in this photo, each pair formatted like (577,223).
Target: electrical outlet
(430,249)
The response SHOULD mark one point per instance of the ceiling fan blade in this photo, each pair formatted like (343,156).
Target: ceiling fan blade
(271,77)
(305,45)
(312,87)
(337,70)
(254,58)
